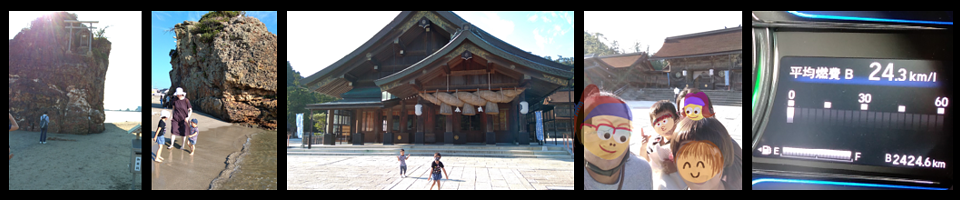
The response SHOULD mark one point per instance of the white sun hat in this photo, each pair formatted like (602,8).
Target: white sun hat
(164,114)
(180,92)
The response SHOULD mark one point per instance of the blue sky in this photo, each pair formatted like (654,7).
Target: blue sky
(542,33)
(162,42)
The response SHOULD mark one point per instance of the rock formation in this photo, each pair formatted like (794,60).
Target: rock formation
(44,77)
(228,68)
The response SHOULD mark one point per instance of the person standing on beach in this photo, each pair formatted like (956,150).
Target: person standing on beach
(403,164)
(12,127)
(158,136)
(181,113)
(44,121)
(435,167)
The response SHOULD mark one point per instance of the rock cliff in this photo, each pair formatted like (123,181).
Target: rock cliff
(45,77)
(228,68)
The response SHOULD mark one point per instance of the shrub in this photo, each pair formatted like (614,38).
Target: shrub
(211,24)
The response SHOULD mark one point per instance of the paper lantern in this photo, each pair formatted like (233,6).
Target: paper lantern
(418,110)
(523,107)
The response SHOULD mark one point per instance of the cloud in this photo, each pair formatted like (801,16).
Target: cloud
(158,16)
(195,15)
(261,15)
(533,18)
(556,29)
(494,25)
(545,19)
(540,40)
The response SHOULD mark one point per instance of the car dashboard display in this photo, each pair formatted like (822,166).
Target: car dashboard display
(852,100)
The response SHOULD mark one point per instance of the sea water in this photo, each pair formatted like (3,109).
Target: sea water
(258,166)
(121,116)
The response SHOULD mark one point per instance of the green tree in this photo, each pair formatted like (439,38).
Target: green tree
(320,120)
(298,97)
(99,34)
(592,44)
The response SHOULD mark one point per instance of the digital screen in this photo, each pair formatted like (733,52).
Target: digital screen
(915,17)
(865,111)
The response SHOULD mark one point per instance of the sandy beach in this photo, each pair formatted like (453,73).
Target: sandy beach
(219,145)
(99,161)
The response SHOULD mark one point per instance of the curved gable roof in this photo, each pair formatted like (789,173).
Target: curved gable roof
(456,23)
(704,43)
(484,45)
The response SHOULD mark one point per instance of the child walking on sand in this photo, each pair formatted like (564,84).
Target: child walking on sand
(435,167)
(158,136)
(194,131)
(403,164)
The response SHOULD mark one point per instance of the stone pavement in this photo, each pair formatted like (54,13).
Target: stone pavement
(730,116)
(465,173)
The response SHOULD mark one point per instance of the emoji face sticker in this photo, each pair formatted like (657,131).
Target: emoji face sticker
(607,136)
(699,162)
(693,111)
(696,106)
(664,124)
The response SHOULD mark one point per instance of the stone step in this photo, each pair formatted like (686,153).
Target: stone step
(414,147)
(554,156)
(428,150)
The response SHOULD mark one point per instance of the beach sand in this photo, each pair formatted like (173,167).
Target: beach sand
(99,161)
(219,144)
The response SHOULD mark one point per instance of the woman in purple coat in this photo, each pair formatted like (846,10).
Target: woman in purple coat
(181,114)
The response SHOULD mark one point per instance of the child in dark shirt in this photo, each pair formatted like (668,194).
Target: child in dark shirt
(158,136)
(435,168)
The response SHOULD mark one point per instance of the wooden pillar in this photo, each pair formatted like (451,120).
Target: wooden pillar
(483,120)
(555,130)
(390,120)
(449,125)
(378,124)
(514,120)
(420,118)
(524,136)
(329,121)
(310,137)
(448,135)
(431,118)
(419,135)
(403,119)
(488,119)
(353,123)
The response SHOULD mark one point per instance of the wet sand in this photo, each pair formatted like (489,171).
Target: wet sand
(99,161)
(256,168)
(219,145)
